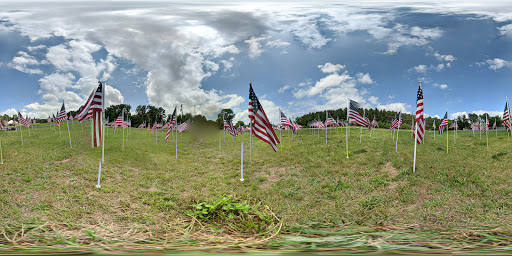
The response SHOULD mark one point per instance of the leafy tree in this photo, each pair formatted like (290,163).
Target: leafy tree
(220,117)
(113,111)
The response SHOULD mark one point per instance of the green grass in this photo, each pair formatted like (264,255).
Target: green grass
(147,190)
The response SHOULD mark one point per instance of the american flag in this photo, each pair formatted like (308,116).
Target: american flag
(1,126)
(62,116)
(71,117)
(472,126)
(420,119)
(119,120)
(22,120)
(93,103)
(486,125)
(374,122)
(367,120)
(170,124)
(354,117)
(240,129)
(330,120)
(229,127)
(262,128)
(494,125)
(183,126)
(155,125)
(49,120)
(142,125)
(397,122)
(507,117)
(452,125)
(284,119)
(293,126)
(443,124)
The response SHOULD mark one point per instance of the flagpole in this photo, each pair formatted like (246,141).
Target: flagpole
(1,153)
(176,126)
(447,132)
(280,138)
(480,128)
(103,125)
(495,121)
(415,144)
(455,132)
(21,131)
(434,129)
(60,133)
(325,127)
(487,132)
(348,121)
(242,161)
(69,134)
(122,115)
(397,132)
(156,132)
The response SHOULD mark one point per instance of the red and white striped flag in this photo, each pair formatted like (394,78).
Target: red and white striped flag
(420,119)
(486,125)
(62,116)
(171,123)
(397,122)
(183,126)
(443,124)
(229,127)
(494,125)
(262,128)
(119,121)
(93,103)
(507,117)
(354,117)
(330,120)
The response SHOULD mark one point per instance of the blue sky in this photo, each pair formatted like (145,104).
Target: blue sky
(300,57)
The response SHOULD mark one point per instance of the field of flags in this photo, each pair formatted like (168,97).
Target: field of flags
(260,126)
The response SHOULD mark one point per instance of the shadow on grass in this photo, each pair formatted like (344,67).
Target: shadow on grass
(497,156)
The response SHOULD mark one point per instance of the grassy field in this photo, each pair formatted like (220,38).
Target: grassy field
(48,190)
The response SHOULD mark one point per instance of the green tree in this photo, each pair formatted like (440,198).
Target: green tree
(220,117)
(113,111)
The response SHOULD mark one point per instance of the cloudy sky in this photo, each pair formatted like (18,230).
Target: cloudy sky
(300,57)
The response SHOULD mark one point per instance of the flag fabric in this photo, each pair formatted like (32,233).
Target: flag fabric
(397,122)
(367,120)
(170,124)
(155,125)
(93,103)
(229,127)
(262,128)
(22,120)
(486,125)
(443,124)
(374,122)
(452,126)
(119,120)
(420,119)
(183,126)
(330,120)
(354,117)
(507,117)
(287,122)
(240,129)
(49,120)
(62,116)
(494,125)
(293,126)
(70,117)
(1,125)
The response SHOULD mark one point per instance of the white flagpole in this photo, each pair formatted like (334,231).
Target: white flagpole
(434,129)
(250,124)
(480,128)
(1,153)
(242,161)
(325,127)
(347,128)
(495,121)
(21,131)
(176,126)
(103,135)
(455,133)
(487,132)
(69,134)
(447,132)
(60,133)
(281,140)
(99,176)
(122,115)
(397,132)
(361,134)
(415,144)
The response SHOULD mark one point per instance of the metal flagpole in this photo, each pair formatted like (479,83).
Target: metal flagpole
(480,128)
(250,124)
(122,115)
(347,128)
(103,125)
(415,144)
(60,133)
(99,176)
(487,132)
(325,127)
(176,126)
(434,129)
(242,161)
(69,134)
(156,132)
(397,132)
(495,121)
(455,133)
(21,131)
(447,132)
(1,153)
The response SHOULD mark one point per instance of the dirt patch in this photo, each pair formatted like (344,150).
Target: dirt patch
(272,175)
(392,171)
(63,161)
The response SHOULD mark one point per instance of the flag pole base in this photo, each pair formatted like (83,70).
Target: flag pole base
(241,179)
(98,186)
